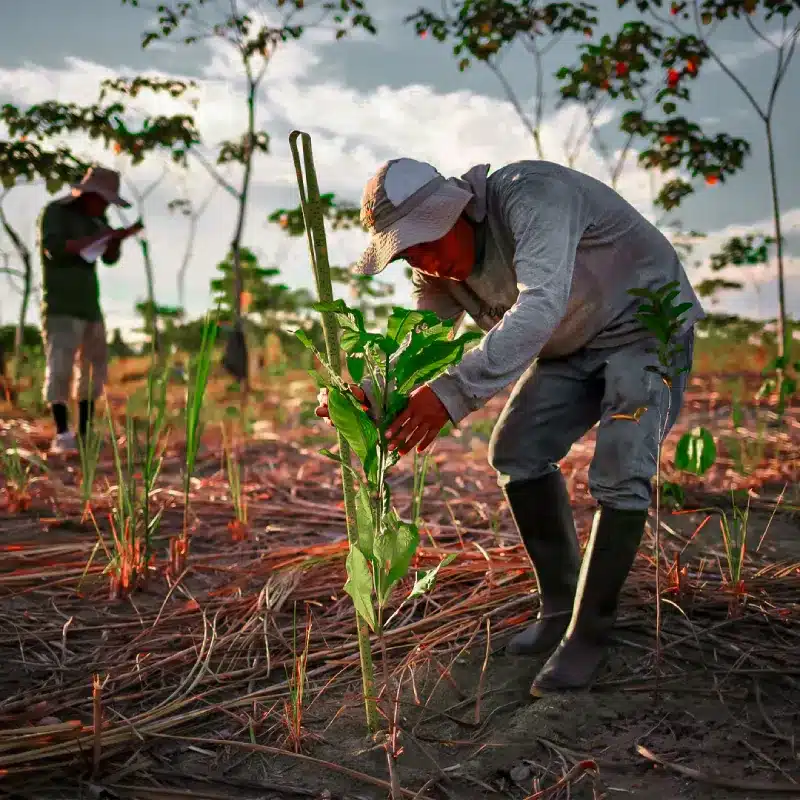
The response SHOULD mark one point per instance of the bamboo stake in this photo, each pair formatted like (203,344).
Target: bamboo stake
(318,250)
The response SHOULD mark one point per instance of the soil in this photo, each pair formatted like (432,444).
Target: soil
(714,717)
(719,727)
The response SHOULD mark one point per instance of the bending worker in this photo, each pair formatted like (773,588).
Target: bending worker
(542,258)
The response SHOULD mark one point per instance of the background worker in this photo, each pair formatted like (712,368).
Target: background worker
(73,233)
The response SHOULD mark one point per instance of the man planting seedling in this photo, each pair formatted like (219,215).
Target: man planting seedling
(543,258)
(74,233)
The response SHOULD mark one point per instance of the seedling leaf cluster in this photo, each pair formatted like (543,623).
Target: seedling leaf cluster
(416,347)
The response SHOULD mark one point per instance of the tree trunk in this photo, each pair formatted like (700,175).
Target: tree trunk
(783,333)
(144,246)
(27,287)
(236,243)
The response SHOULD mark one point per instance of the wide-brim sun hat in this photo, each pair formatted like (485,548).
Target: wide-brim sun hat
(102,181)
(406,203)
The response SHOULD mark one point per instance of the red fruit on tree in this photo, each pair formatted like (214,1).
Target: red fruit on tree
(691,66)
(712,179)
(622,69)
(673,78)
(669,139)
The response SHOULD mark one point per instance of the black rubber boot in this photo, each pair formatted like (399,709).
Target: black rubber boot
(609,556)
(543,515)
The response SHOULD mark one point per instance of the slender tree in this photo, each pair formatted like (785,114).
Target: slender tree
(192,212)
(705,17)
(253,31)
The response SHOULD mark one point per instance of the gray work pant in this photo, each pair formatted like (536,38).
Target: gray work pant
(557,401)
(68,340)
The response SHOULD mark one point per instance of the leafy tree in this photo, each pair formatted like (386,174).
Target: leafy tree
(25,156)
(612,68)
(253,36)
(705,18)
(651,72)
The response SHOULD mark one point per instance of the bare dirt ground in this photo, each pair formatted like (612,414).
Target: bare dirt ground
(196,695)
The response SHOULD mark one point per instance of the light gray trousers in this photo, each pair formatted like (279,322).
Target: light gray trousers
(557,401)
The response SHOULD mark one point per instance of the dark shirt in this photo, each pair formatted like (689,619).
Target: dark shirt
(70,286)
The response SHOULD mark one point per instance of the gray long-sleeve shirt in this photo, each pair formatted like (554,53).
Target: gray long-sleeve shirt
(560,252)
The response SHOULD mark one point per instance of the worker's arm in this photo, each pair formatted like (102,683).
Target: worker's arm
(547,219)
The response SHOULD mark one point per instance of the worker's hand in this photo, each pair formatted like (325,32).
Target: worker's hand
(113,248)
(119,234)
(419,423)
(322,398)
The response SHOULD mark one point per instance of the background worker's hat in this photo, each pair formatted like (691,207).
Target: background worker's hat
(104,182)
(406,202)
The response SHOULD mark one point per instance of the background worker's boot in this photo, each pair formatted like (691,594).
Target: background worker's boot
(543,515)
(607,561)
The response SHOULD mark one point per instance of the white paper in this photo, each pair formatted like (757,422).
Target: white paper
(94,251)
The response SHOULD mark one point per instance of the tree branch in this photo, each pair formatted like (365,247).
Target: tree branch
(214,173)
(514,100)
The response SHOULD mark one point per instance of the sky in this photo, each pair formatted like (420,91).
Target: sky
(364,100)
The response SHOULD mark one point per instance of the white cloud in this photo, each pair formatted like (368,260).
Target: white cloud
(752,47)
(353,132)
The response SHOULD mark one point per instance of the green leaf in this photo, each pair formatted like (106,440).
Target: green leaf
(355,366)
(427,578)
(359,585)
(403,321)
(426,364)
(304,338)
(696,451)
(678,311)
(394,549)
(672,494)
(365,522)
(348,317)
(356,427)
(332,456)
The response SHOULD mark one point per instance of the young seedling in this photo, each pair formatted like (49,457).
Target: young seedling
(313,220)
(416,347)
(195,394)
(238,525)
(137,467)
(89,447)
(16,473)
(663,319)
(780,377)
(734,537)
(298,681)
